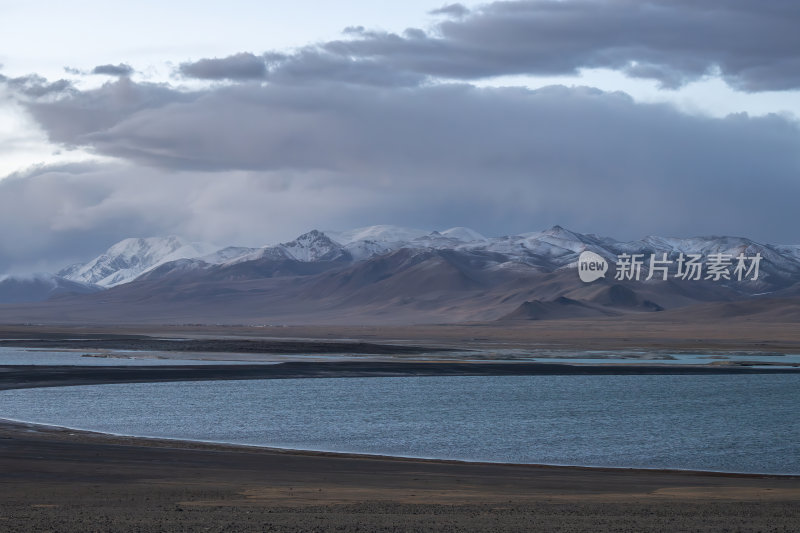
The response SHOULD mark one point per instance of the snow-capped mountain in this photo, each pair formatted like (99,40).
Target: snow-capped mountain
(386,273)
(525,254)
(313,246)
(309,247)
(545,251)
(130,258)
(553,243)
(555,247)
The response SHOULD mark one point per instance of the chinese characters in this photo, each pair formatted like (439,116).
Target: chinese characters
(718,266)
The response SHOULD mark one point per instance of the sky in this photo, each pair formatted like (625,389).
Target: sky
(249,123)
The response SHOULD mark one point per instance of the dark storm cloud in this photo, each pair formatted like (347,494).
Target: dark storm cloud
(753,46)
(493,158)
(243,66)
(35,86)
(113,70)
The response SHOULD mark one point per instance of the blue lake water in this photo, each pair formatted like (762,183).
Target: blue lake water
(772,360)
(731,423)
(628,357)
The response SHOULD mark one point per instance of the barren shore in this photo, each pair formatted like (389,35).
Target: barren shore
(62,480)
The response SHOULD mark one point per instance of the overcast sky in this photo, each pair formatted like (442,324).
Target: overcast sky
(241,124)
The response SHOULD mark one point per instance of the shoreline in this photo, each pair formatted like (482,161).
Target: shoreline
(12,425)
(636,333)
(16,377)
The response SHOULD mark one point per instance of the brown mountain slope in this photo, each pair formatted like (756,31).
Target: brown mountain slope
(403,287)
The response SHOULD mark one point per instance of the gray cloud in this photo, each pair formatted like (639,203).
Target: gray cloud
(752,45)
(237,162)
(57,215)
(309,64)
(355,132)
(35,204)
(315,65)
(67,120)
(113,70)
(353,30)
(452,10)
(243,66)
(35,86)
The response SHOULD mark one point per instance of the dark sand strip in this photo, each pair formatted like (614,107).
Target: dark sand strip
(23,376)
(88,341)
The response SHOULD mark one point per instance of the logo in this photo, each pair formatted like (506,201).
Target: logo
(591,266)
(683,266)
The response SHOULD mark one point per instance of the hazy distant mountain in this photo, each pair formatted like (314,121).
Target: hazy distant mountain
(39,287)
(384,274)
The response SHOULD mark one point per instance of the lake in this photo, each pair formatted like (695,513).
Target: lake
(732,423)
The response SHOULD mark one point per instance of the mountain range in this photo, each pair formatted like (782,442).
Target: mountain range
(385,274)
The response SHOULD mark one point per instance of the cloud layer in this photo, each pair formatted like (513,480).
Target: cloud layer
(751,45)
(500,160)
(373,129)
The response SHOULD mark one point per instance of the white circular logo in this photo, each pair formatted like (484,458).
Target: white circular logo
(591,266)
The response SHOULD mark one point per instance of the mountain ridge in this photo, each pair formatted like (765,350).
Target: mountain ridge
(372,275)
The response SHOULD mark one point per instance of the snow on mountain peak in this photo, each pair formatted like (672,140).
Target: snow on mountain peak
(554,242)
(146,246)
(546,250)
(229,253)
(383,234)
(556,232)
(130,258)
(312,246)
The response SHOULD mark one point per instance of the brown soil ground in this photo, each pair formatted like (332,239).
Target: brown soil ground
(631,333)
(61,480)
